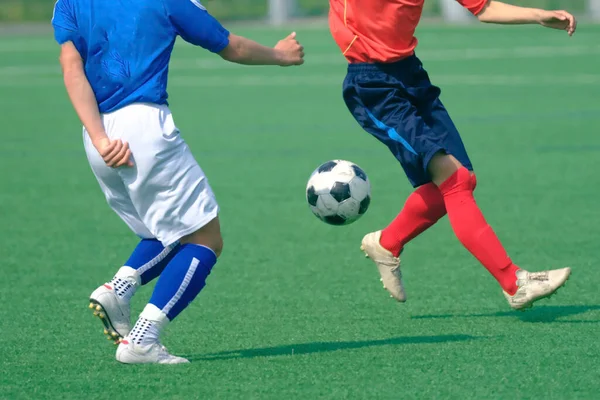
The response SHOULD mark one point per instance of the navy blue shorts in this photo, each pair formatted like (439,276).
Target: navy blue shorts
(398,105)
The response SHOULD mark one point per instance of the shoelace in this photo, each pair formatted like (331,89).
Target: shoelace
(538,276)
(531,276)
(395,263)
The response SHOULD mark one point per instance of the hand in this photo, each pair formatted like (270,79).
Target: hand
(115,153)
(559,20)
(291,52)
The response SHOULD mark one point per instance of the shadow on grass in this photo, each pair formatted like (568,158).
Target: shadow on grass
(321,347)
(545,314)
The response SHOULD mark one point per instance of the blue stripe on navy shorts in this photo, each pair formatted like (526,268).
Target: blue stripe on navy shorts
(398,105)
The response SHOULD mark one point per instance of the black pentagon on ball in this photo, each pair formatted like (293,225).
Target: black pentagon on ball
(359,172)
(335,220)
(364,205)
(311,196)
(340,191)
(328,166)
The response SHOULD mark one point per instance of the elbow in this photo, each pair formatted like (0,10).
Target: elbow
(485,14)
(230,54)
(233,51)
(483,17)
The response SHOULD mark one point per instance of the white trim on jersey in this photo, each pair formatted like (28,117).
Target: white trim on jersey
(54,12)
(198,4)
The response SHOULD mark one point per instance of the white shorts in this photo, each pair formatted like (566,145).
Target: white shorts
(166,194)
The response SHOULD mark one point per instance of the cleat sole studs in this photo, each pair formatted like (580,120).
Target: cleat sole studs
(109,332)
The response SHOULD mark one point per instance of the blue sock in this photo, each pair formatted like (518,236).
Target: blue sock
(182,279)
(150,258)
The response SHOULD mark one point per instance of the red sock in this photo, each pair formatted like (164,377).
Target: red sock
(474,232)
(423,208)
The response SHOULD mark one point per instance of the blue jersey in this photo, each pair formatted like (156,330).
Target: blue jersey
(126,45)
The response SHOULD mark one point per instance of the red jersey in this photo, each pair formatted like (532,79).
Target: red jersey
(380,30)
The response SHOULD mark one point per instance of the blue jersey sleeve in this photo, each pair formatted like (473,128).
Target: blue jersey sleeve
(195,25)
(64,23)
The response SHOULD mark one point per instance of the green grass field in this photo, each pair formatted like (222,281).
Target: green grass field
(293,310)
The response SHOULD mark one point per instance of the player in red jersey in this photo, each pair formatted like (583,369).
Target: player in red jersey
(389,94)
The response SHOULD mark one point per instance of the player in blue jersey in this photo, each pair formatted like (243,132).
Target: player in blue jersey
(115,57)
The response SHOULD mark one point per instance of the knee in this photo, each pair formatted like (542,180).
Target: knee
(217,246)
(208,236)
(213,242)
(442,166)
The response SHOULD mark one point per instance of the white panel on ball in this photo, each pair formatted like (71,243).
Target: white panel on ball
(349,209)
(343,171)
(321,182)
(359,188)
(327,204)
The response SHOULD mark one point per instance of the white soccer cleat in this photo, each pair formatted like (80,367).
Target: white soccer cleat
(534,286)
(131,353)
(112,310)
(388,265)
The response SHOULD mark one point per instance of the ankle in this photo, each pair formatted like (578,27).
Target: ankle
(510,281)
(148,327)
(125,283)
(388,241)
(129,274)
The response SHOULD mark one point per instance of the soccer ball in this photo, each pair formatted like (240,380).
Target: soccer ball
(338,192)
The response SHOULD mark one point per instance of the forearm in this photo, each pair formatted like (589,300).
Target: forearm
(501,13)
(245,51)
(84,101)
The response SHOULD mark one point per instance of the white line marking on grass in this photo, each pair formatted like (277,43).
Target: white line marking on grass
(336,80)
(336,59)
(441,80)
(443,55)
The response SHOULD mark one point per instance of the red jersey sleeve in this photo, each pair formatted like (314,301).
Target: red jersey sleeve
(474,6)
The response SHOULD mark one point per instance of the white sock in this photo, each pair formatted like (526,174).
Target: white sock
(125,283)
(148,327)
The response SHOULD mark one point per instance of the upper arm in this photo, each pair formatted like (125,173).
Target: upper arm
(64,22)
(474,6)
(70,59)
(195,25)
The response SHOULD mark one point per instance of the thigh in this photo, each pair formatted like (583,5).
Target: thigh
(115,192)
(168,188)
(437,118)
(388,114)
(400,107)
